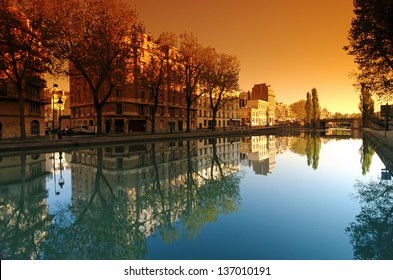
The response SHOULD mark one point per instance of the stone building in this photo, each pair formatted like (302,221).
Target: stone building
(129,108)
(34,101)
(227,116)
(257,108)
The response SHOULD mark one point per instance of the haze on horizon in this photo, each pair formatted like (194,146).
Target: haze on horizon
(291,45)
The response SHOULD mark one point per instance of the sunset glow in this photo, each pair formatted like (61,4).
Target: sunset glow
(291,45)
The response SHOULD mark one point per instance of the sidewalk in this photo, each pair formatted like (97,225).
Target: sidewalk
(44,143)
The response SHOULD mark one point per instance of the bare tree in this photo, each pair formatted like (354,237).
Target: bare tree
(158,71)
(191,63)
(98,38)
(22,58)
(220,81)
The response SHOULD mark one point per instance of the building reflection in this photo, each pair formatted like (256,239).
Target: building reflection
(154,189)
(121,195)
(260,153)
(24,212)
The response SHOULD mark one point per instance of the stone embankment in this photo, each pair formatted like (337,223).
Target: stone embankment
(68,143)
(383,145)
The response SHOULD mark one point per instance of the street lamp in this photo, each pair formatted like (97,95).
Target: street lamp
(54,95)
(59,106)
(54,172)
(61,179)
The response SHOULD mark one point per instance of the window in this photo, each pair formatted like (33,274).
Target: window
(35,93)
(141,110)
(35,127)
(119,109)
(34,108)
(119,163)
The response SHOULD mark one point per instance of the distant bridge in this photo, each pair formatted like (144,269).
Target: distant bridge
(354,123)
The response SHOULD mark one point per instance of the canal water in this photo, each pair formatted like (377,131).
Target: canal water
(303,197)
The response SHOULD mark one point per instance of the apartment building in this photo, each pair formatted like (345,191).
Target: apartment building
(257,108)
(266,93)
(283,112)
(227,117)
(129,108)
(34,100)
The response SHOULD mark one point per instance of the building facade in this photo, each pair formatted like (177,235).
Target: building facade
(129,107)
(227,116)
(34,101)
(258,107)
(283,112)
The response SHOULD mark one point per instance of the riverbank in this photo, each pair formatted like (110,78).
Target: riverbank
(66,143)
(383,145)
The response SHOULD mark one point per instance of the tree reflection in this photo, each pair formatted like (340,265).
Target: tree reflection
(313,149)
(371,233)
(366,155)
(217,194)
(309,146)
(103,227)
(24,218)
(166,210)
(173,199)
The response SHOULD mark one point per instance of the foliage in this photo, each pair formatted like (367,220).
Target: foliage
(190,65)
(313,109)
(371,43)
(313,148)
(98,38)
(316,108)
(366,155)
(299,108)
(308,108)
(299,146)
(21,54)
(24,218)
(366,105)
(371,233)
(220,81)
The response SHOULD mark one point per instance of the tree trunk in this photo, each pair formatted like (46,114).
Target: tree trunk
(99,119)
(188,114)
(22,114)
(214,120)
(153,120)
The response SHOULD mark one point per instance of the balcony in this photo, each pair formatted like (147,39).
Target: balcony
(36,81)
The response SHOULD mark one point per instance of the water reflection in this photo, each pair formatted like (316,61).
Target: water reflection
(366,155)
(24,215)
(371,233)
(106,203)
(120,196)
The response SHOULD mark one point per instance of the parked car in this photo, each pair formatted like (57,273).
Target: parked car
(68,131)
(84,129)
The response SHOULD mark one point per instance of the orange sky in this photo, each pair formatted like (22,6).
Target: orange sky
(291,45)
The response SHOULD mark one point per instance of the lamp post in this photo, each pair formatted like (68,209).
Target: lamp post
(54,95)
(54,172)
(59,106)
(61,179)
